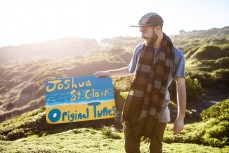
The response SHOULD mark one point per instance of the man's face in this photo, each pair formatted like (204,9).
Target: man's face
(148,35)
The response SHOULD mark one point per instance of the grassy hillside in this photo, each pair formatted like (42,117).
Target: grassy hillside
(33,134)
(49,49)
(207,60)
(207,56)
(24,69)
(21,78)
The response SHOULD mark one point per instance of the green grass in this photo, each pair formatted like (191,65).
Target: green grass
(30,133)
(86,140)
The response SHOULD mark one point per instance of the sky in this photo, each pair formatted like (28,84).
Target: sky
(29,21)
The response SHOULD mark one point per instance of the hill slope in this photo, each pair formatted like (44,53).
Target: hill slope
(25,68)
(49,49)
(22,90)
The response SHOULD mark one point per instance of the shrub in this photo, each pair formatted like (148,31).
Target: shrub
(30,88)
(222,62)
(219,110)
(219,41)
(213,131)
(216,134)
(191,52)
(191,134)
(218,117)
(194,89)
(221,75)
(204,78)
(207,52)
(108,132)
(16,134)
(123,83)
(119,100)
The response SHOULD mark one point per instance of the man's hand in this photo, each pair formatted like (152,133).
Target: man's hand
(178,126)
(102,74)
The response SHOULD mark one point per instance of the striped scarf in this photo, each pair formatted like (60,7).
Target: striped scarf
(145,99)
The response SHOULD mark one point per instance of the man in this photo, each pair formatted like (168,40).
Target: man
(155,64)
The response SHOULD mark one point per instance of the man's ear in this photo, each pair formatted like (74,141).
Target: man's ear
(157,29)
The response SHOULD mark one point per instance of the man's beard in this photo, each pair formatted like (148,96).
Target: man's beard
(152,40)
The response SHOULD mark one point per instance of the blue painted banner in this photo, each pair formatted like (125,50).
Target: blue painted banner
(79,99)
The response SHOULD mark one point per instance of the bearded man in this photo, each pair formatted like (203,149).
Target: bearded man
(155,64)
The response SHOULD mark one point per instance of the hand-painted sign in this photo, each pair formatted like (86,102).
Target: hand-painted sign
(79,99)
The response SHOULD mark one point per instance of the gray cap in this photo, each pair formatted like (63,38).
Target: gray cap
(150,19)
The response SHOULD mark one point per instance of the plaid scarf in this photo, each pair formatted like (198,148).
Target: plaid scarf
(145,99)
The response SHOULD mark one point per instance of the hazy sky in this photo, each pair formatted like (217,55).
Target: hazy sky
(26,21)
